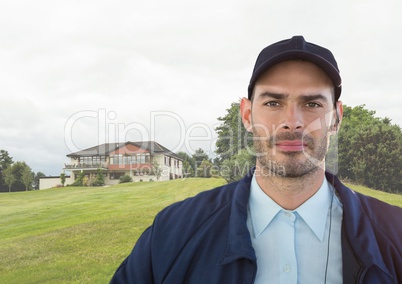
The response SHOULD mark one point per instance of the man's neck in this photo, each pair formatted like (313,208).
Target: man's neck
(290,192)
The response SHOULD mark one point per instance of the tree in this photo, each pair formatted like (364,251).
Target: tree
(27,177)
(5,159)
(18,169)
(234,145)
(370,150)
(37,177)
(198,157)
(237,166)
(9,177)
(5,162)
(232,136)
(191,163)
(63,178)
(204,169)
(188,164)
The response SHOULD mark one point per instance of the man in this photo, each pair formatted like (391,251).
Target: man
(288,220)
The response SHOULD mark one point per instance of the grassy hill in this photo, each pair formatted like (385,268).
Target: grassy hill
(81,235)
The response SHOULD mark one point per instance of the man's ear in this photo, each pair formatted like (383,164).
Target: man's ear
(338,115)
(245,112)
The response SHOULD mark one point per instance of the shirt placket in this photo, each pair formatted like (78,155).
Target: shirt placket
(288,263)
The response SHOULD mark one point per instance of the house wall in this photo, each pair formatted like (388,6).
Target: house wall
(74,161)
(49,182)
(172,168)
(160,160)
(177,169)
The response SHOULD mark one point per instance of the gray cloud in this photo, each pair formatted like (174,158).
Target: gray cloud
(59,60)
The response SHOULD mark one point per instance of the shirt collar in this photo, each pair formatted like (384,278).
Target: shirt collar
(313,212)
(262,208)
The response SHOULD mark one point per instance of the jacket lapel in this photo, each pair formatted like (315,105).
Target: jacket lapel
(238,239)
(359,245)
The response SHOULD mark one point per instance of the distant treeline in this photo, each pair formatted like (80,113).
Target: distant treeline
(16,176)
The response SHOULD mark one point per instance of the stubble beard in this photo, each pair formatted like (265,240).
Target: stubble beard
(294,164)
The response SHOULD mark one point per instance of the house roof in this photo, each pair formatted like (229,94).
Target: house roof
(104,149)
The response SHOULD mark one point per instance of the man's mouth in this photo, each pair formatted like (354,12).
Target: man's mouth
(290,145)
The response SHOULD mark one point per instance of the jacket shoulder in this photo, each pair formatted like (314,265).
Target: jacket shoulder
(194,210)
(384,218)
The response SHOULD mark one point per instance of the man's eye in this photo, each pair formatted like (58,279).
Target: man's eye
(313,105)
(272,104)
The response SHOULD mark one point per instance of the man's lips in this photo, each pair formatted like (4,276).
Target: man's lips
(290,145)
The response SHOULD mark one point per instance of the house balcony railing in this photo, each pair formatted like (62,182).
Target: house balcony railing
(86,166)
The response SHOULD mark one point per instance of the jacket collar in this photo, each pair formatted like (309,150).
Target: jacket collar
(358,227)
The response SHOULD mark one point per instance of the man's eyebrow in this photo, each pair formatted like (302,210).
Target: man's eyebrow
(317,97)
(276,96)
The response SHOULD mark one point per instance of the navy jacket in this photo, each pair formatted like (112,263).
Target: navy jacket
(205,240)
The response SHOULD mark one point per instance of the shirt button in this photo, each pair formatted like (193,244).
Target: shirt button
(286,268)
(288,214)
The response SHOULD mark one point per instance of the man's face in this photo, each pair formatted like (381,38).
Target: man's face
(291,117)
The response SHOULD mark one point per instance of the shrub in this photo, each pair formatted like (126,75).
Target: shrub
(79,181)
(100,179)
(125,178)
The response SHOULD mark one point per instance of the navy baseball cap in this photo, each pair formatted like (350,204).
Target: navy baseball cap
(293,49)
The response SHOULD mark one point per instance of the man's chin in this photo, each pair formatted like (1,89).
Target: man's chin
(294,168)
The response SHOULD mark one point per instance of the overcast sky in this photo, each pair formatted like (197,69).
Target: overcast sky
(74,74)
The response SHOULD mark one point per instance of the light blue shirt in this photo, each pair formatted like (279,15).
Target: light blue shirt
(292,246)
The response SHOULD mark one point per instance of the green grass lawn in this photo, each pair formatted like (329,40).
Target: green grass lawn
(81,235)
(394,199)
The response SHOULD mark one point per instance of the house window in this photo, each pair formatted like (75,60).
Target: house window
(116,159)
(142,158)
(86,160)
(130,159)
(96,161)
(127,160)
(116,175)
(167,161)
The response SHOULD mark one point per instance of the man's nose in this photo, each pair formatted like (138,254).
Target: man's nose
(292,118)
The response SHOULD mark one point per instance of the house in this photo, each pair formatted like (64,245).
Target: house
(140,160)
